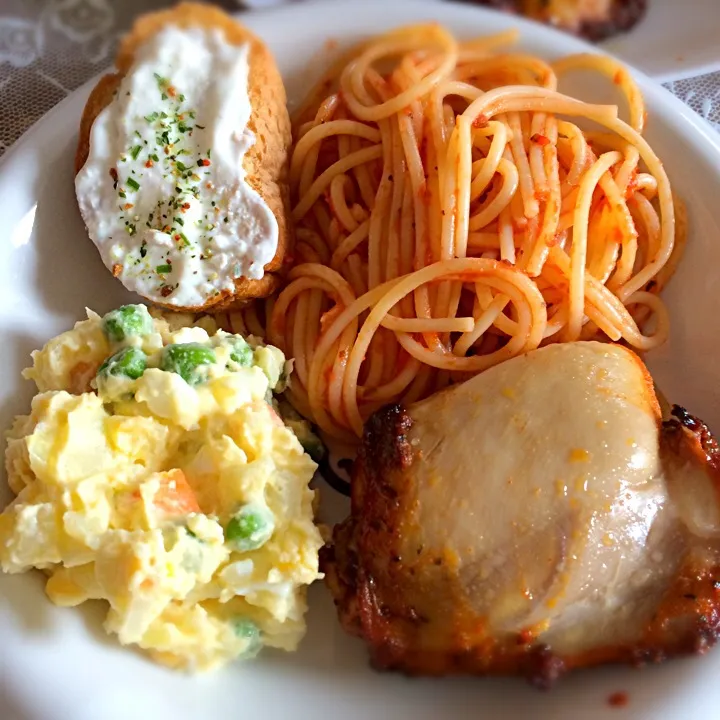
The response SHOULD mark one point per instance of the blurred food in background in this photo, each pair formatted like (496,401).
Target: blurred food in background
(593,19)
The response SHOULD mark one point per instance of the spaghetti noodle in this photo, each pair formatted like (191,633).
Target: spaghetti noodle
(451,215)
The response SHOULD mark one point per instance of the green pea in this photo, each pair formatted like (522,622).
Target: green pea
(250,528)
(187,359)
(130,362)
(126,322)
(242,353)
(248,630)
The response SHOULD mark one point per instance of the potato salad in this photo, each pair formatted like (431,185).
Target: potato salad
(155,473)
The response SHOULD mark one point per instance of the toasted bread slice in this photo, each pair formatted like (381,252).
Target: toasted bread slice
(265,163)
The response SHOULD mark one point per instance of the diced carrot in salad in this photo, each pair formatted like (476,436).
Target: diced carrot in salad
(175,496)
(80,376)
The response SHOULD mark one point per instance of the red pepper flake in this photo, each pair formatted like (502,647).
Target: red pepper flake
(171,91)
(117,269)
(114,174)
(618,699)
(208,186)
(481,121)
(525,637)
(176,236)
(540,139)
(127,206)
(165,290)
(205,162)
(631,186)
(149,164)
(328,374)
(185,206)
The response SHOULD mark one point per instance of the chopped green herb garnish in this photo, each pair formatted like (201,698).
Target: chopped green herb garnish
(134,184)
(122,194)
(200,127)
(163,269)
(135,151)
(155,157)
(180,166)
(179,221)
(152,117)
(181,97)
(186,242)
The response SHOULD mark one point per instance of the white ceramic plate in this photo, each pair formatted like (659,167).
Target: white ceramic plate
(57,664)
(675,40)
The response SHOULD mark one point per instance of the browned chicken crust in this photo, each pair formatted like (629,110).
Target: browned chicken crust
(413,608)
(266,162)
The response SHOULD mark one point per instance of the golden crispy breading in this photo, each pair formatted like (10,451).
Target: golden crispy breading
(265,162)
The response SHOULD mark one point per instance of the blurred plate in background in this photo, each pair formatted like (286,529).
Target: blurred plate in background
(674,40)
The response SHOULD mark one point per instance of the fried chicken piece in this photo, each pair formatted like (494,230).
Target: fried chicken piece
(593,19)
(537,518)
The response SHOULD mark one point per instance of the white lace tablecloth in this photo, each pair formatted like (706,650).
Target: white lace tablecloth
(50,47)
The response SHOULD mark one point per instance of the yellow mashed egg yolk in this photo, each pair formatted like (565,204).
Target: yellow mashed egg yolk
(154,473)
